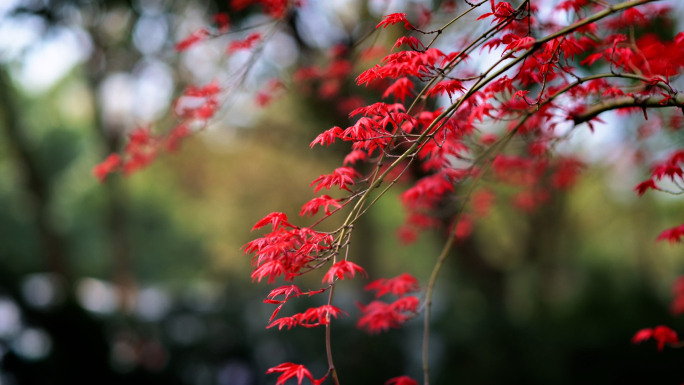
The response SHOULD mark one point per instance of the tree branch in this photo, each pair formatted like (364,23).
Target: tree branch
(627,102)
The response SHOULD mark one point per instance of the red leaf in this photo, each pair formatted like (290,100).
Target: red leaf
(222,21)
(341,177)
(275,219)
(328,137)
(395,18)
(402,88)
(111,164)
(191,40)
(317,316)
(341,269)
(270,269)
(288,322)
(447,86)
(403,380)
(673,235)
(398,286)
(408,303)
(290,370)
(287,290)
(208,90)
(379,316)
(642,335)
(642,187)
(354,157)
(311,207)
(175,136)
(662,334)
(411,41)
(247,43)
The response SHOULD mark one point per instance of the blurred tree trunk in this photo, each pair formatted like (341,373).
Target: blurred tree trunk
(37,187)
(116,205)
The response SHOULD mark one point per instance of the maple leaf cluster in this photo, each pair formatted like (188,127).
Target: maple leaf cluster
(434,136)
(141,150)
(662,334)
(380,316)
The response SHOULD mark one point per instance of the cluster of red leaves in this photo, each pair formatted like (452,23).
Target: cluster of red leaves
(271,91)
(312,317)
(670,168)
(536,175)
(380,316)
(370,132)
(198,103)
(445,140)
(662,334)
(273,8)
(328,81)
(420,64)
(286,250)
(398,286)
(195,105)
(500,11)
(395,18)
(672,235)
(247,43)
(141,150)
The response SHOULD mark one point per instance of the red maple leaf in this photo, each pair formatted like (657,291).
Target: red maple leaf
(317,316)
(341,177)
(447,86)
(355,156)
(247,43)
(379,316)
(395,18)
(411,41)
(112,163)
(402,380)
(275,219)
(399,286)
(288,291)
(288,322)
(290,370)
(328,137)
(341,269)
(311,207)
(402,88)
(208,90)
(673,235)
(270,269)
(191,40)
(642,187)
(662,334)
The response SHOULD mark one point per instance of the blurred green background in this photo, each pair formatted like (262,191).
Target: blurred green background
(142,280)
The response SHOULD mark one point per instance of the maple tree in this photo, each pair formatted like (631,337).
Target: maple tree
(446,121)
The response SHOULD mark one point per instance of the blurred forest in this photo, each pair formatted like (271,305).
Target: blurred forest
(142,280)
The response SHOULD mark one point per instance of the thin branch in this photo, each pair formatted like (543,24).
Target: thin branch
(450,242)
(627,102)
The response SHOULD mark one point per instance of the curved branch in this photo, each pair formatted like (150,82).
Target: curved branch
(627,102)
